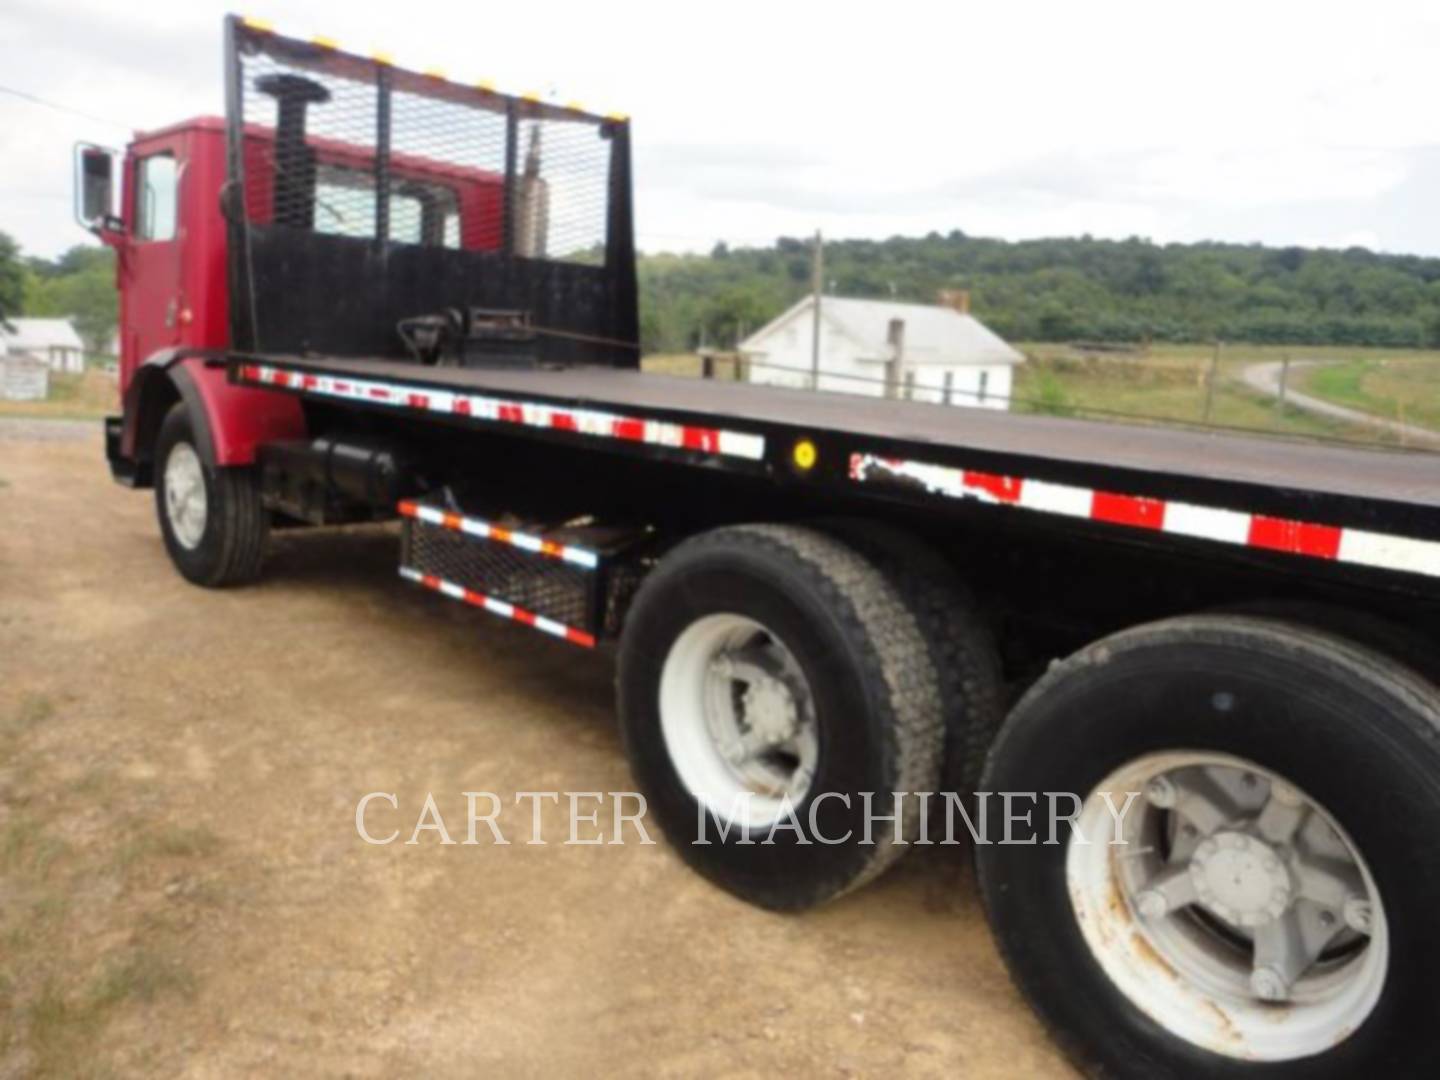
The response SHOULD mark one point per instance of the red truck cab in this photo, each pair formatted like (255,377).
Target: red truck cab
(171,238)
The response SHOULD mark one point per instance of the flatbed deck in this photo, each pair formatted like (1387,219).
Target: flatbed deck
(929,451)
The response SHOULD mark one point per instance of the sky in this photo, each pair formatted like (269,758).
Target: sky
(1313,123)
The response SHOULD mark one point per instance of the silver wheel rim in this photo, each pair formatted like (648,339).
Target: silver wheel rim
(1228,906)
(738,720)
(185,505)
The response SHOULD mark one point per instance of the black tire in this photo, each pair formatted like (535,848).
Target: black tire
(231,548)
(1356,731)
(875,702)
(962,648)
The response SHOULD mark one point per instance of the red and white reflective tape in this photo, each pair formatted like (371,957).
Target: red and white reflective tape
(498,607)
(604,425)
(484,530)
(1381,550)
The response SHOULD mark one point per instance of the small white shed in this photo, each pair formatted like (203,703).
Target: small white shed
(924,352)
(52,340)
(22,377)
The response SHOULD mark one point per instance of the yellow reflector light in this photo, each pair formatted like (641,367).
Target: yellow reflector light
(325,42)
(804,455)
(263,25)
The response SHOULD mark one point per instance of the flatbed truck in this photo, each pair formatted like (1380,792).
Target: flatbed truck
(370,294)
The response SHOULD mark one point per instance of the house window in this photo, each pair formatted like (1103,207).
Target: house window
(158,195)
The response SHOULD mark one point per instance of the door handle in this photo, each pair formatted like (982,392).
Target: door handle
(170,314)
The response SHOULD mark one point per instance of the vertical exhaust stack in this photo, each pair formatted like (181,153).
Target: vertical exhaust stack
(294,201)
(532,215)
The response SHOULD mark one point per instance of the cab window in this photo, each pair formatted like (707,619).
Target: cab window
(420,212)
(157,195)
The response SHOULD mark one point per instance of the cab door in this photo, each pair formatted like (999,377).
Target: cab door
(152,287)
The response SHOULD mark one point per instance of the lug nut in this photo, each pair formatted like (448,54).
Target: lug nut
(1269,985)
(1359,915)
(1284,794)
(1152,904)
(1160,792)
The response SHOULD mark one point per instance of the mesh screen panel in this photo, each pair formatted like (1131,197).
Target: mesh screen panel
(326,132)
(550,587)
(562,191)
(335,114)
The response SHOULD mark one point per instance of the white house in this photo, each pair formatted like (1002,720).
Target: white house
(52,340)
(938,353)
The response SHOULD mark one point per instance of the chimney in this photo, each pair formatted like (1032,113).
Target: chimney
(957,299)
(895,362)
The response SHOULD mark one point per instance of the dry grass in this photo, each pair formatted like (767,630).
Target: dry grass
(87,395)
(60,986)
(1164,384)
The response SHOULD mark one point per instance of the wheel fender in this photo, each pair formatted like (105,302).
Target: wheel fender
(231,422)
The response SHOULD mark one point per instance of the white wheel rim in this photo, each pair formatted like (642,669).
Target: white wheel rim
(738,720)
(185,505)
(1218,858)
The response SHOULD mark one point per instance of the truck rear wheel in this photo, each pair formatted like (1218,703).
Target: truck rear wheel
(962,648)
(1263,906)
(211,518)
(774,692)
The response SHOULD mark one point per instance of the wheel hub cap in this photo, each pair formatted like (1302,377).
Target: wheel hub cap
(185,503)
(738,719)
(1223,894)
(1240,879)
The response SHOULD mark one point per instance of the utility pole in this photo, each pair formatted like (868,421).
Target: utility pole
(1210,382)
(817,286)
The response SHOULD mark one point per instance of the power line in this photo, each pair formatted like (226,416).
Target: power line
(25,95)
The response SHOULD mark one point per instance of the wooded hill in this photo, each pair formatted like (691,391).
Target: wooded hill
(1063,289)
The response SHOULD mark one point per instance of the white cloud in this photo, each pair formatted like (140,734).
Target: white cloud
(1277,122)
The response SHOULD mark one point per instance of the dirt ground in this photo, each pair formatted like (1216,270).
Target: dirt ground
(183,891)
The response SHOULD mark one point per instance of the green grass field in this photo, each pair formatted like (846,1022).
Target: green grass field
(1168,384)
(1403,387)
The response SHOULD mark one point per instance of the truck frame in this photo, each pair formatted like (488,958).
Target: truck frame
(371,294)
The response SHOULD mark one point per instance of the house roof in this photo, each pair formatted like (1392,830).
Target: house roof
(27,334)
(933,334)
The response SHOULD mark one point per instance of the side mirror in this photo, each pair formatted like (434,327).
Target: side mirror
(95,188)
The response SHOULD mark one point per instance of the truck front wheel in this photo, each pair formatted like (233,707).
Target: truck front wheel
(1247,889)
(211,518)
(775,693)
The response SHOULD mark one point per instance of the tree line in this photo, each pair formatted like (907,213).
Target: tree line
(1072,289)
(79,285)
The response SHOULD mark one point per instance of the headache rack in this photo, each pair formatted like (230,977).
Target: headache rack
(360,195)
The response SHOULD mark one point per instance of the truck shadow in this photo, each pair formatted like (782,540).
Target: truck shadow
(356,566)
